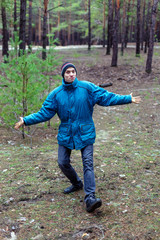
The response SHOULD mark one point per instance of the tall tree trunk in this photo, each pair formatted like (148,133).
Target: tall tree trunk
(132,23)
(89,25)
(73,37)
(110,27)
(158,31)
(147,27)
(142,25)
(48,24)
(39,25)
(30,26)
(5,32)
(59,20)
(104,22)
(44,54)
(15,30)
(151,37)
(127,24)
(123,27)
(115,34)
(138,28)
(69,27)
(15,15)
(22,29)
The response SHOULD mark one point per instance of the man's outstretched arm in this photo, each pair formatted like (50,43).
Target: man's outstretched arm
(105,98)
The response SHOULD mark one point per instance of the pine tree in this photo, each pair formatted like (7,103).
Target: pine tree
(110,27)
(22,29)
(5,31)
(30,25)
(151,37)
(138,28)
(115,34)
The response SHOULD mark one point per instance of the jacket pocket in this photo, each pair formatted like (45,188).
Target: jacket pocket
(87,131)
(63,133)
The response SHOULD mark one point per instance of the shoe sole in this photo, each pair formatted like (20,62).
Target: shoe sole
(94,206)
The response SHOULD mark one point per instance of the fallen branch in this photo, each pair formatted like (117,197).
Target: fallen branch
(105,85)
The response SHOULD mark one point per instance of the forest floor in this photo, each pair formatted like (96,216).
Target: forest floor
(126,159)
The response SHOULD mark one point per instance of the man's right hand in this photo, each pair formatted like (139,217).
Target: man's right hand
(19,124)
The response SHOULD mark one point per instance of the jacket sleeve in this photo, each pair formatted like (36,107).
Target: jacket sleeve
(48,110)
(105,98)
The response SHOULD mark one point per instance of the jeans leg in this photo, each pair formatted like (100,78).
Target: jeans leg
(64,164)
(88,170)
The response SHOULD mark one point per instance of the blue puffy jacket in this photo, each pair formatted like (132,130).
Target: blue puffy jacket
(74,104)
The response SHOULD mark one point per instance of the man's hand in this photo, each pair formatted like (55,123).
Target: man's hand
(19,124)
(136,99)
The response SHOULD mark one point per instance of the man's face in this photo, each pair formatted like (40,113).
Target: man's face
(70,75)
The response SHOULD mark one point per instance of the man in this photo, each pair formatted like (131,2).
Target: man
(73,101)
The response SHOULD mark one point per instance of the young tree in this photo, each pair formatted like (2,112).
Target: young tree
(5,31)
(115,34)
(138,28)
(22,29)
(151,37)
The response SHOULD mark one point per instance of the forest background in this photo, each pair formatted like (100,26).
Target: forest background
(117,45)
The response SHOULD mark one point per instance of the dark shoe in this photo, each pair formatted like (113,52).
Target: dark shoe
(73,188)
(92,203)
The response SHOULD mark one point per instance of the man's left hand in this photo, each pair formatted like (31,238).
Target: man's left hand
(136,99)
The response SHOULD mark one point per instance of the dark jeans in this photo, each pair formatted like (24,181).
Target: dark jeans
(88,170)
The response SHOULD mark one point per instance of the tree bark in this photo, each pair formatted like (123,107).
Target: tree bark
(59,20)
(15,15)
(151,37)
(123,27)
(115,34)
(142,26)
(127,25)
(132,23)
(110,27)
(22,29)
(5,32)
(30,26)
(158,31)
(147,28)
(89,25)
(39,25)
(104,22)
(138,28)
(44,54)
(69,27)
